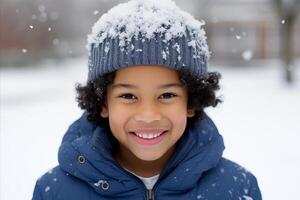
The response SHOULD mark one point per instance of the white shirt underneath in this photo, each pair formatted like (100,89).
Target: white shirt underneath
(148,181)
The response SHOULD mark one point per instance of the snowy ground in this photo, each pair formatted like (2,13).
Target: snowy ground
(259,120)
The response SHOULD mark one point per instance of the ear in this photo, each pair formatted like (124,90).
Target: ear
(190,113)
(104,110)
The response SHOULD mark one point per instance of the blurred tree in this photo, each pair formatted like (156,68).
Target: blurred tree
(288,11)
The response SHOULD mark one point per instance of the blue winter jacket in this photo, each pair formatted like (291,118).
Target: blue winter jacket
(197,170)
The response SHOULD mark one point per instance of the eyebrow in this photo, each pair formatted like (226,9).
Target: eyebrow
(129,86)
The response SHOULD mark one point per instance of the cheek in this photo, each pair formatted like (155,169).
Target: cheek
(179,121)
(118,116)
(178,118)
(119,112)
(178,110)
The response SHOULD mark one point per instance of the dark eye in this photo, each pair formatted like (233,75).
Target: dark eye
(169,95)
(127,96)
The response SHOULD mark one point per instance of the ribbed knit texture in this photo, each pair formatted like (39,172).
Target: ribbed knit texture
(108,56)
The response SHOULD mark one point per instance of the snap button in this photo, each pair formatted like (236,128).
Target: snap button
(104,185)
(81,159)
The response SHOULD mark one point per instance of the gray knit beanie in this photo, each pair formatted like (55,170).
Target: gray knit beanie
(147,32)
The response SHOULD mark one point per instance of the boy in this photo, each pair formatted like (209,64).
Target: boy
(145,134)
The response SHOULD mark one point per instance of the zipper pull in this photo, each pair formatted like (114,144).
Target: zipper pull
(150,195)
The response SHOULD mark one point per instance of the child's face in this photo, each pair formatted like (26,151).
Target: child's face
(146,106)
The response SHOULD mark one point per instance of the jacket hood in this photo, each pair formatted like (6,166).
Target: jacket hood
(198,150)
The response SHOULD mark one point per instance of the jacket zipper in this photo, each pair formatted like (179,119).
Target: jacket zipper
(150,195)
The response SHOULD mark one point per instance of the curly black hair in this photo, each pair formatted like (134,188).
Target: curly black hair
(201,94)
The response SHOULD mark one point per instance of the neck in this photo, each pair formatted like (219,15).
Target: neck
(141,167)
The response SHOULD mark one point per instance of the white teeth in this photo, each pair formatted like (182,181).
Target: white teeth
(148,136)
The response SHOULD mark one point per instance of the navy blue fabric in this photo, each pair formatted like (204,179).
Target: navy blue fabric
(147,51)
(196,170)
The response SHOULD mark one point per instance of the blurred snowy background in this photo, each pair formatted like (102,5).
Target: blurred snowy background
(255,45)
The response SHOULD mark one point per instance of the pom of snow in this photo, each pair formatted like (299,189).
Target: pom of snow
(148,18)
(192,43)
(164,55)
(106,48)
(177,47)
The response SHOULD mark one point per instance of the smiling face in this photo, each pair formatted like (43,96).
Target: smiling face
(147,111)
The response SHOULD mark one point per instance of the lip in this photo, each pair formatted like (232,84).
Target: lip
(149,130)
(148,142)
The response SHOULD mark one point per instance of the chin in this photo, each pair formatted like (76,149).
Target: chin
(148,157)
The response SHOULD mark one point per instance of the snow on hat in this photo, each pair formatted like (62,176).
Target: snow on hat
(147,32)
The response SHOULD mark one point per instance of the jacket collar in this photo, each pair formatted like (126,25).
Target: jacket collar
(198,150)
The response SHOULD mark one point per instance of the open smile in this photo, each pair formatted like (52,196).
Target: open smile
(148,139)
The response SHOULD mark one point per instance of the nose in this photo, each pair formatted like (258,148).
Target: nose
(147,113)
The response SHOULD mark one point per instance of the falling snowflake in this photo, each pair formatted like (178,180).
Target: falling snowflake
(42,8)
(96,12)
(247,55)
(55,41)
(238,37)
(235,178)
(47,188)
